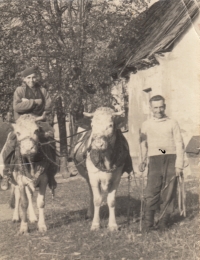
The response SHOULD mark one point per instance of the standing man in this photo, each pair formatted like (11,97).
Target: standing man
(162,145)
(30,98)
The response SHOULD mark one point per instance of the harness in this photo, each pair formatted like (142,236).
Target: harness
(119,153)
(38,166)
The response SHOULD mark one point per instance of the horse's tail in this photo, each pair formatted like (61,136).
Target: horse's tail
(12,197)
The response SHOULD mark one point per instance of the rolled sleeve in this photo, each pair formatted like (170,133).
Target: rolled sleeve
(19,105)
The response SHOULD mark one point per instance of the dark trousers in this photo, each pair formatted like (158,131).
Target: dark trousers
(161,183)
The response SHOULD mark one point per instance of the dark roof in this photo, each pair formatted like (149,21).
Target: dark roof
(160,26)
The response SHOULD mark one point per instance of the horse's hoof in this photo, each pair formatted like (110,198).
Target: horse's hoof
(33,220)
(16,220)
(23,229)
(42,228)
(95,227)
(113,228)
(24,233)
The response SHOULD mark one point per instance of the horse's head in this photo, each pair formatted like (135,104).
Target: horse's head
(26,130)
(103,127)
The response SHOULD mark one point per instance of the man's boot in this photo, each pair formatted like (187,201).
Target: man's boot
(149,220)
(163,223)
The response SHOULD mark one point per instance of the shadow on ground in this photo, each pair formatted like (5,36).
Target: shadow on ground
(192,208)
(124,206)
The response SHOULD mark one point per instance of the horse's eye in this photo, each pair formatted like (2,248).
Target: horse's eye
(111,125)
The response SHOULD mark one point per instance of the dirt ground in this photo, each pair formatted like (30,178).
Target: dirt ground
(69,236)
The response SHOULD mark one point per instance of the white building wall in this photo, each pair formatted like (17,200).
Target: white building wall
(177,78)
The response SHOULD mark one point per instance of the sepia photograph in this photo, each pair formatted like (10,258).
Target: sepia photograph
(99,129)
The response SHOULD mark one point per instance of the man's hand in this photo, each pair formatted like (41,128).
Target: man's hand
(179,172)
(142,167)
(38,101)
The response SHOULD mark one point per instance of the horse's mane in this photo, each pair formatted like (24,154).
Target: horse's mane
(26,122)
(26,118)
(103,111)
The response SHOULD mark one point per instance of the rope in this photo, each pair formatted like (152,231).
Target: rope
(129,198)
(47,157)
(138,188)
(56,141)
(52,206)
(142,203)
(181,197)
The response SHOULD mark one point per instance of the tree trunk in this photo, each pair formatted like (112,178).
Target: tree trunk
(63,138)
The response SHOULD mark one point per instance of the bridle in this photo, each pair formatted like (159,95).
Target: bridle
(110,139)
(27,137)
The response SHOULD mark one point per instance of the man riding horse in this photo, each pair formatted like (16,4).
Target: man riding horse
(30,98)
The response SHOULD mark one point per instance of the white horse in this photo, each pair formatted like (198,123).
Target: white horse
(107,153)
(29,172)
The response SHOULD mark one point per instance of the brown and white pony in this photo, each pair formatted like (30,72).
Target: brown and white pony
(28,174)
(100,157)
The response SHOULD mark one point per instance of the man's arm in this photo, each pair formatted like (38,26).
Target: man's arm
(179,146)
(19,104)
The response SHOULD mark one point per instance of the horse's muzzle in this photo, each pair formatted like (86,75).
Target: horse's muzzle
(99,143)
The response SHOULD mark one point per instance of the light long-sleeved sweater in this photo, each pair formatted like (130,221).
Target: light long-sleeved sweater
(162,134)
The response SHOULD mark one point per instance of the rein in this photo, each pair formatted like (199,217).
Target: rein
(27,137)
(31,176)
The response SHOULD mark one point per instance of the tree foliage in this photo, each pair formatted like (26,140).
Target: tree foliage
(75,43)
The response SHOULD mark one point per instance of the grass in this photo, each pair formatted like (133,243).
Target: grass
(69,235)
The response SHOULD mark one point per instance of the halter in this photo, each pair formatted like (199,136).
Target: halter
(109,138)
(118,160)
(31,176)
(27,137)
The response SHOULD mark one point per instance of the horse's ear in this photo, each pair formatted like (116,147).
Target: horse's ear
(88,114)
(42,117)
(119,113)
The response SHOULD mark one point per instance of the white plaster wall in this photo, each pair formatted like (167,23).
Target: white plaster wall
(177,78)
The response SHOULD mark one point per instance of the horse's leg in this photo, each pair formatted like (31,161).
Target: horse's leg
(32,216)
(112,224)
(24,207)
(41,203)
(97,200)
(16,217)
